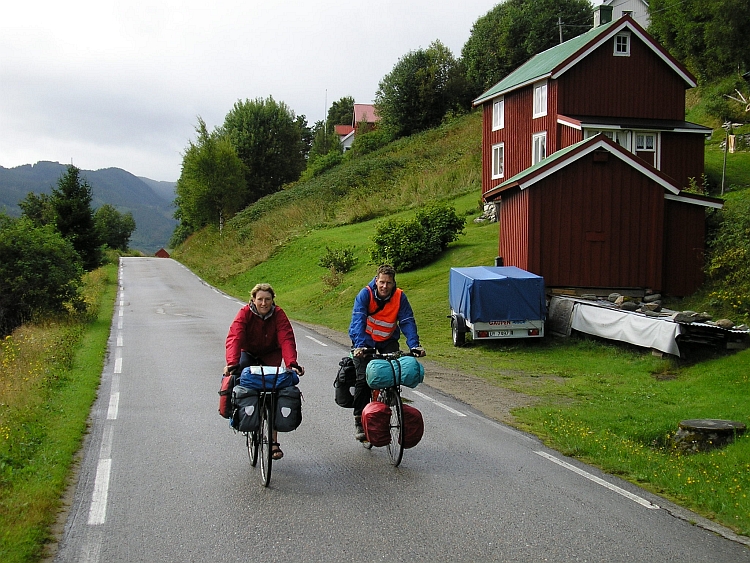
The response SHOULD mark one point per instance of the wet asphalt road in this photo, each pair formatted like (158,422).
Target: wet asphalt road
(164,478)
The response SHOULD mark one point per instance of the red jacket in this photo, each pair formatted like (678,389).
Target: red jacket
(269,339)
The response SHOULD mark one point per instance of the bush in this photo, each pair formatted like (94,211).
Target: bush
(340,260)
(40,272)
(415,242)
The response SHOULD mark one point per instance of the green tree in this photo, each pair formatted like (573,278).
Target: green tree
(40,272)
(211,187)
(710,38)
(74,217)
(38,208)
(115,228)
(270,141)
(419,90)
(516,30)
(325,140)
(341,112)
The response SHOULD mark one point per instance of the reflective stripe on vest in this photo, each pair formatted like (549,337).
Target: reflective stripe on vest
(382,324)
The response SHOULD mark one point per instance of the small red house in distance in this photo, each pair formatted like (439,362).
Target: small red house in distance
(161,253)
(586,153)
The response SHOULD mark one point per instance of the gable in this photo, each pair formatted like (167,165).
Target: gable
(556,61)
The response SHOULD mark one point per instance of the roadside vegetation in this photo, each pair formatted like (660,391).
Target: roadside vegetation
(49,374)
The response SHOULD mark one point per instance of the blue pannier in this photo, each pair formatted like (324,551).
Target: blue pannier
(267,378)
(386,373)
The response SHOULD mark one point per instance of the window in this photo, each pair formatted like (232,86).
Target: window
(627,13)
(498,161)
(539,147)
(622,45)
(540,99)
(498,114)
(645,142)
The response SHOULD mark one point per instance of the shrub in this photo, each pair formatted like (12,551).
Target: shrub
(340,260)
(415,242)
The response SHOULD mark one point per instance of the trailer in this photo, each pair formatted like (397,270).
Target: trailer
(496,302)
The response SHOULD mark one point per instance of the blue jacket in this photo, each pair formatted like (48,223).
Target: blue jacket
(357,328)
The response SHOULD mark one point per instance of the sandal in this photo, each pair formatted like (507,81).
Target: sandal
(276,452)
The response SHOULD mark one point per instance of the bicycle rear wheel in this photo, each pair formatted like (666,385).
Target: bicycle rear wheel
(266,438)
(252,440)
(396,446)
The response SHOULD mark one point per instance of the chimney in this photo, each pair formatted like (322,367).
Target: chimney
(602,15)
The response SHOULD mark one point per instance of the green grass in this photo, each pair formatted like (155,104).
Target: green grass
(49,374)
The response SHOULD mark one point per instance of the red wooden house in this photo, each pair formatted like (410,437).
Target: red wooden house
(586,152)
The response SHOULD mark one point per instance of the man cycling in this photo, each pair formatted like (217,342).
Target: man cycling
(381,312)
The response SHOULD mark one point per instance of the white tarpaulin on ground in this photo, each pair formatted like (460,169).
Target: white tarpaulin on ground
(649,332)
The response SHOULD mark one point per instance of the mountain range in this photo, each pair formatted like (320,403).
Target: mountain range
(151,202)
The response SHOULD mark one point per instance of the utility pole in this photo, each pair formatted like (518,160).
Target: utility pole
(726,128)
(559,25)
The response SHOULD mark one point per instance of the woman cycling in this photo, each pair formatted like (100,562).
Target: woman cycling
(261,334)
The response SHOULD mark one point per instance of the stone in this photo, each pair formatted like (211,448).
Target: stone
(652,306)
(613,297)
(629,306)
(620,300)
(590,297)
(652,297)
(724,323)
(705,434)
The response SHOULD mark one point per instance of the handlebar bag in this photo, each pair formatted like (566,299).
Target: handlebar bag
(225,394)
(267,378)
(346,379)
(406,370)
(413,426)
(376,422)
(288,409)
(245,416)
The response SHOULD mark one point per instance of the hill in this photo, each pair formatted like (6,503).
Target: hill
(149,201)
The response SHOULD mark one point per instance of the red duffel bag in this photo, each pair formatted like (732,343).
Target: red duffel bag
(376,421)
(413,426)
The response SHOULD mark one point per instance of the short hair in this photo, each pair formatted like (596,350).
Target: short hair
(386,270)
(262,287)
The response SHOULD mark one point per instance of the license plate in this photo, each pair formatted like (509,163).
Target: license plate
(501,333)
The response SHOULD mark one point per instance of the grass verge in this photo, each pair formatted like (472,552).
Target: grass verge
(49,375)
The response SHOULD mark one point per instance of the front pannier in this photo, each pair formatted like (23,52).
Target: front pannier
(225,395)
(345,380)
(245,416)
(376,422)
(413,426)
(288,409)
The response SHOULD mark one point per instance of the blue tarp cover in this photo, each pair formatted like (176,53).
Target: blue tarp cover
(486,293)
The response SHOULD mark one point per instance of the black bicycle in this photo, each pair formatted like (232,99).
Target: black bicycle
(260,441)
(391,396)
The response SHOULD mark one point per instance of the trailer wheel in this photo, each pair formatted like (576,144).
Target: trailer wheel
(458,330)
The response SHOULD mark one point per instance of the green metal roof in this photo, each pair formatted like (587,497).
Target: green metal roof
(542,64)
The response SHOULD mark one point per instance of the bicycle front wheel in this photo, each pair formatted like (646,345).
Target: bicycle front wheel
(396,445)
(266,438)
(252,440)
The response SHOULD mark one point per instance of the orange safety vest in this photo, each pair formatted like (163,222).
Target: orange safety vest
(381,324)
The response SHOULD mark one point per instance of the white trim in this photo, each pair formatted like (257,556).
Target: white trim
(542,111)
(692,201)
(534,139)
(616,29)
(498,102)
(562,163)
(569,124)
(500,146)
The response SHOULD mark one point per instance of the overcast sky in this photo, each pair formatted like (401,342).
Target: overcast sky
(120,83)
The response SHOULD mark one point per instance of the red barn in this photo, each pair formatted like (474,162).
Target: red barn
(603,213)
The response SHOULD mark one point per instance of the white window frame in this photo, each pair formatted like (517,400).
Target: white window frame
(538,141)
(622,45)
(642,145)
(498,113)
(540,99)
(498,161)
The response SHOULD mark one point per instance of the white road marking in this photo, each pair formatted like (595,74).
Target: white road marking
(98,510)
(118,365)
(315,340)
(105,452)
(602,482)
(119,339)
(438,403)
(114,403)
